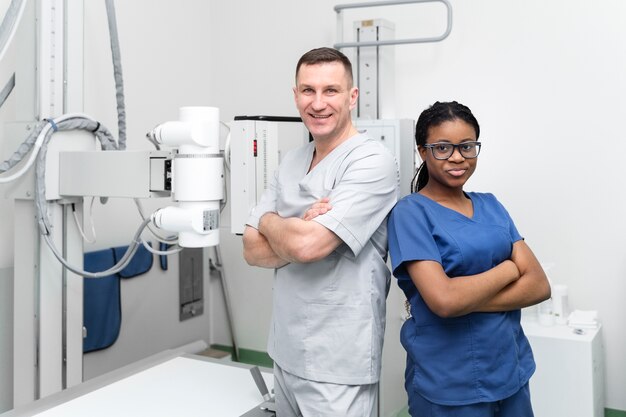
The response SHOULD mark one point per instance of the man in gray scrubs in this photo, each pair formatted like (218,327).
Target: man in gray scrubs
(322,225)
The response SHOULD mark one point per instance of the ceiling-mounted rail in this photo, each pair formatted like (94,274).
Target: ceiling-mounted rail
(339,9)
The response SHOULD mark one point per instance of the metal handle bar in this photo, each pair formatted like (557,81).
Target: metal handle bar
(339,8)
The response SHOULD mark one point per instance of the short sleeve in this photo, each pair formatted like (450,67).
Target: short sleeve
(502,215)
(515,234)
(411,236)
(365,191)
(267,204)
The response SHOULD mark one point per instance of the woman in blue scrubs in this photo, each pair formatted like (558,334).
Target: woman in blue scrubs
(466,272)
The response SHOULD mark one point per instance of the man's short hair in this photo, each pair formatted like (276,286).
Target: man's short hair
(324,55)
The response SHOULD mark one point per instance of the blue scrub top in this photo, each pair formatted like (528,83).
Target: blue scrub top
(479,357)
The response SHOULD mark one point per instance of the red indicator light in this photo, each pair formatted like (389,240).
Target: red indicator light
(254,150)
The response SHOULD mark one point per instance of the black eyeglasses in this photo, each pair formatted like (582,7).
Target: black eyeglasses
(444,150)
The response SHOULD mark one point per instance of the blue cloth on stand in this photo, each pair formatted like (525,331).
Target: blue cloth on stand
(140,264)
(102,306)
(102,312)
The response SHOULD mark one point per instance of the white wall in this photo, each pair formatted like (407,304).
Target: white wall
(546,81)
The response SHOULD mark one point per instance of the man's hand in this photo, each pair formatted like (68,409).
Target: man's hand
(258,252)
(322,206)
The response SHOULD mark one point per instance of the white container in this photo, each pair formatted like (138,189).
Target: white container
(545,315)
(560,304)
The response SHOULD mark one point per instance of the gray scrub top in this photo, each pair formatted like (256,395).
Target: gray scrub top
(328,316)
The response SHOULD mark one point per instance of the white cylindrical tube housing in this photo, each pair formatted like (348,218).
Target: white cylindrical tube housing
(172,133)
(198,126)
(197,223)
(205,122)
(198,177)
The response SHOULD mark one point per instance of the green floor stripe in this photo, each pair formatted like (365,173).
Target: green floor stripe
(404,413)
(248,356)
(607,413)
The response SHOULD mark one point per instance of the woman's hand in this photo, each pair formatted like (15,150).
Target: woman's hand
(509,269)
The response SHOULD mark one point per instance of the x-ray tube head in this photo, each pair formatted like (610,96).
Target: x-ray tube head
(197,177)
(199,126)
(197,223)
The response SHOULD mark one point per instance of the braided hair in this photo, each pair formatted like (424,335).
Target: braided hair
(434,116)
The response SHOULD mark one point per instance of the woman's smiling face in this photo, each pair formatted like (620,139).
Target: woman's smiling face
(456,170)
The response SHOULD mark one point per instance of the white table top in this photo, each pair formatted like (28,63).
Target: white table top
(533,328)
(186,385)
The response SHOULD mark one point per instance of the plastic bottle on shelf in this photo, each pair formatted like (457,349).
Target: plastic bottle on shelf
(560,304)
